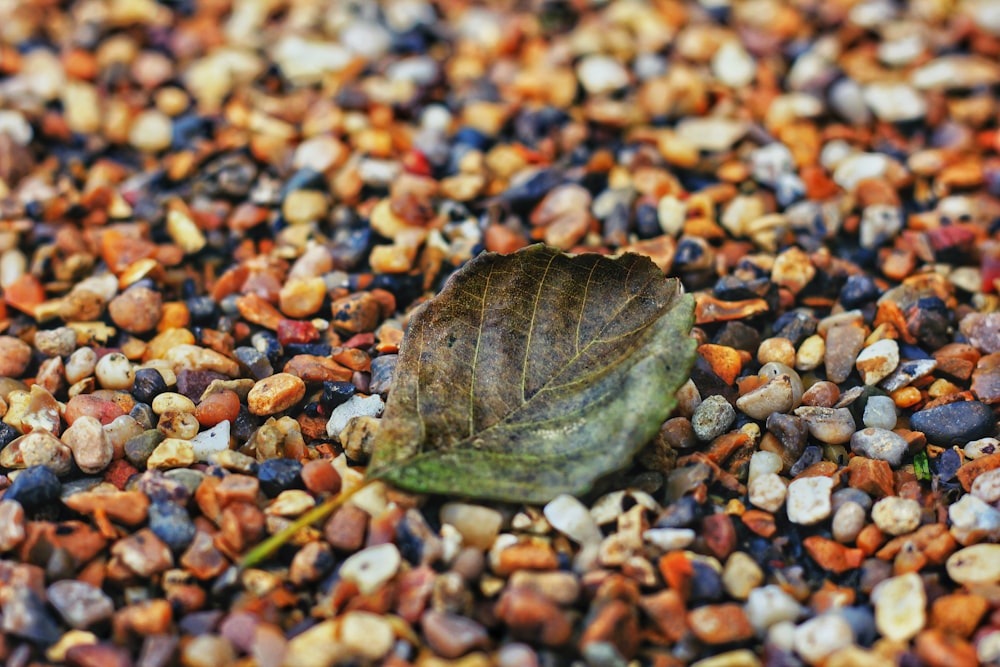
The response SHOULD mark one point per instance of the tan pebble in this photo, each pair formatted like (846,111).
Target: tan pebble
(304,206)
(170,401)
(15,355)
(275,394)
(810,353)
(192,357)
(136,310)
(182,228)
(302,297)
(778,349)
(151,131)
(171,453)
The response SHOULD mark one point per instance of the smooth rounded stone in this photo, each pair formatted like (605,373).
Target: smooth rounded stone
(355,406)
(275,394)
(136,310)
(114,371)
(711,134)
(15,355)
(880,413)
(211,441)
(847,100)
(791,432)
(833,426)
(58,342)
(34,487)
(171,453)
(172,524)
(877,361)
(80,604)
(808,500)
(139,448)
(986,486)
(80,364)
(768,492)
(712,418)
(848,521)
(895,102)
(843,343)
(572,518)
(669,539)
(599,74)
(859,166)
(878,443)
(768,605)
(810,353)
(973,520)
(982,330)
(975,449)
(91,448)
(955,423)
(277,475)
(900,607)
(775,369)
(821,636)
(896,516)
(208,651)
(776,395)
(151,131)
(171,401)
(741,575)
(478,525)
(451,635)
(38,448)
(976,564)
(732,65)
(372,567)
(763,463)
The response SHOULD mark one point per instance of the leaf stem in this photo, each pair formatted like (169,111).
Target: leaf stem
(265,549)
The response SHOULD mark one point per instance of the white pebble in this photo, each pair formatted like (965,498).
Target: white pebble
(669,539)
(982,447)
(114,371)
(601,74)
(809,500)
(762,463)
(768,605)
(80,364)
(896,516)
(477,524)
(371,568)
(973,520)
(768,492)
(848,521)
(900,607)
(986,486)
(355,406)
(821,636)
(733,66)
(880,412)
(572,518)
(211,441)
(878,360)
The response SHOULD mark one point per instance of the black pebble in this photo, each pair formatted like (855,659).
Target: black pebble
(35,487)
(336,393)
(148,384)
(171,523)
(277,475)
(955,423)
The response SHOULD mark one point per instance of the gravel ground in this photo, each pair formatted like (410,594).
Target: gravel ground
(216,217)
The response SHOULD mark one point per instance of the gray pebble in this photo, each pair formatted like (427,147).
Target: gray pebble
(80,604)
(881,444)
(833,426)
(712,418)
(848,521)
(880,412)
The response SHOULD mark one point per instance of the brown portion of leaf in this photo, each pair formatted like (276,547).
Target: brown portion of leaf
(532,374)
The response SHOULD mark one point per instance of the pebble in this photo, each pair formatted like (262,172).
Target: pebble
(275,394)
(848,521)
(91,448)
(833,426)
(880,413)
(986,486)
(894,102)
(33,487)
(732,65)
(881,444)
(452,636)
(768,492)
(741,575)
(114,371)
(136,310)
(982,331)
(973,520)
(211,441)
(371,568)
(171,453)
(600,74)
(669,539)
(11,524)
(278,475)
(38,448)
(763,463)
(877,361)
(151,131)
(769,605)
(955,423)
(821,636)
(774,396)
(356,406)
(712,418)
(976,564)
(896,516)
(808,500)
(900,607)
(572,518)
(15,355)
(80,604)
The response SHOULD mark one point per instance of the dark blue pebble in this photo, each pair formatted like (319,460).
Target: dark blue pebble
(148,384)
(857,291)
(382,370)
(948,464)
(203,309)
(811,455)
(317,349)
(335,393)
(255,361)
(706,584)
(171,523)
(955,423)
(647,221)
(277,475)
(679,514)
(34,487)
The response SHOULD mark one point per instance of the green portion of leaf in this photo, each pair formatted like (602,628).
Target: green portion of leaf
(921,465)
(533,374)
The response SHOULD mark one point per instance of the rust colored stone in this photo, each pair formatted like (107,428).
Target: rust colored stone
(833,556)
(870,539)
(937,649)
(719,534)
(759,522)
(958,614)
(720,623)
(617,623)
(667,610)
(973,469)
(872,476)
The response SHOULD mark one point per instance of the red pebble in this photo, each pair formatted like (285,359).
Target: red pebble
(990,271)
(104,410)
(361,340)
(295,331)
(320,476)
(118,473)
(416,162)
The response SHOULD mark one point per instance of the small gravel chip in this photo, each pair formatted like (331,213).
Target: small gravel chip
(986,486)
(776,395)
(572,518)
(978,564)
(808,500)
(38,448)
(144,553)
(712,418)
(90,446)
(669,539)
(878,443)
(15,355)
(973,520)
(768,492)
(211,441)
(365,636)
(276,394)
(834,426)
(11,524)
(822,636)
(896,516)
(277,475)
(172,524)
(136,310)
(900,607)
(880,412)
(478,525)
(80,604)
(114,371)
(171,453)
(59,342)
(768,605)
(877,361)
(741,575)
(848,520)
(355,406)
(371,568)
(955,423)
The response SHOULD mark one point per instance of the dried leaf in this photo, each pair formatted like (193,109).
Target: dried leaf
(533,374)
